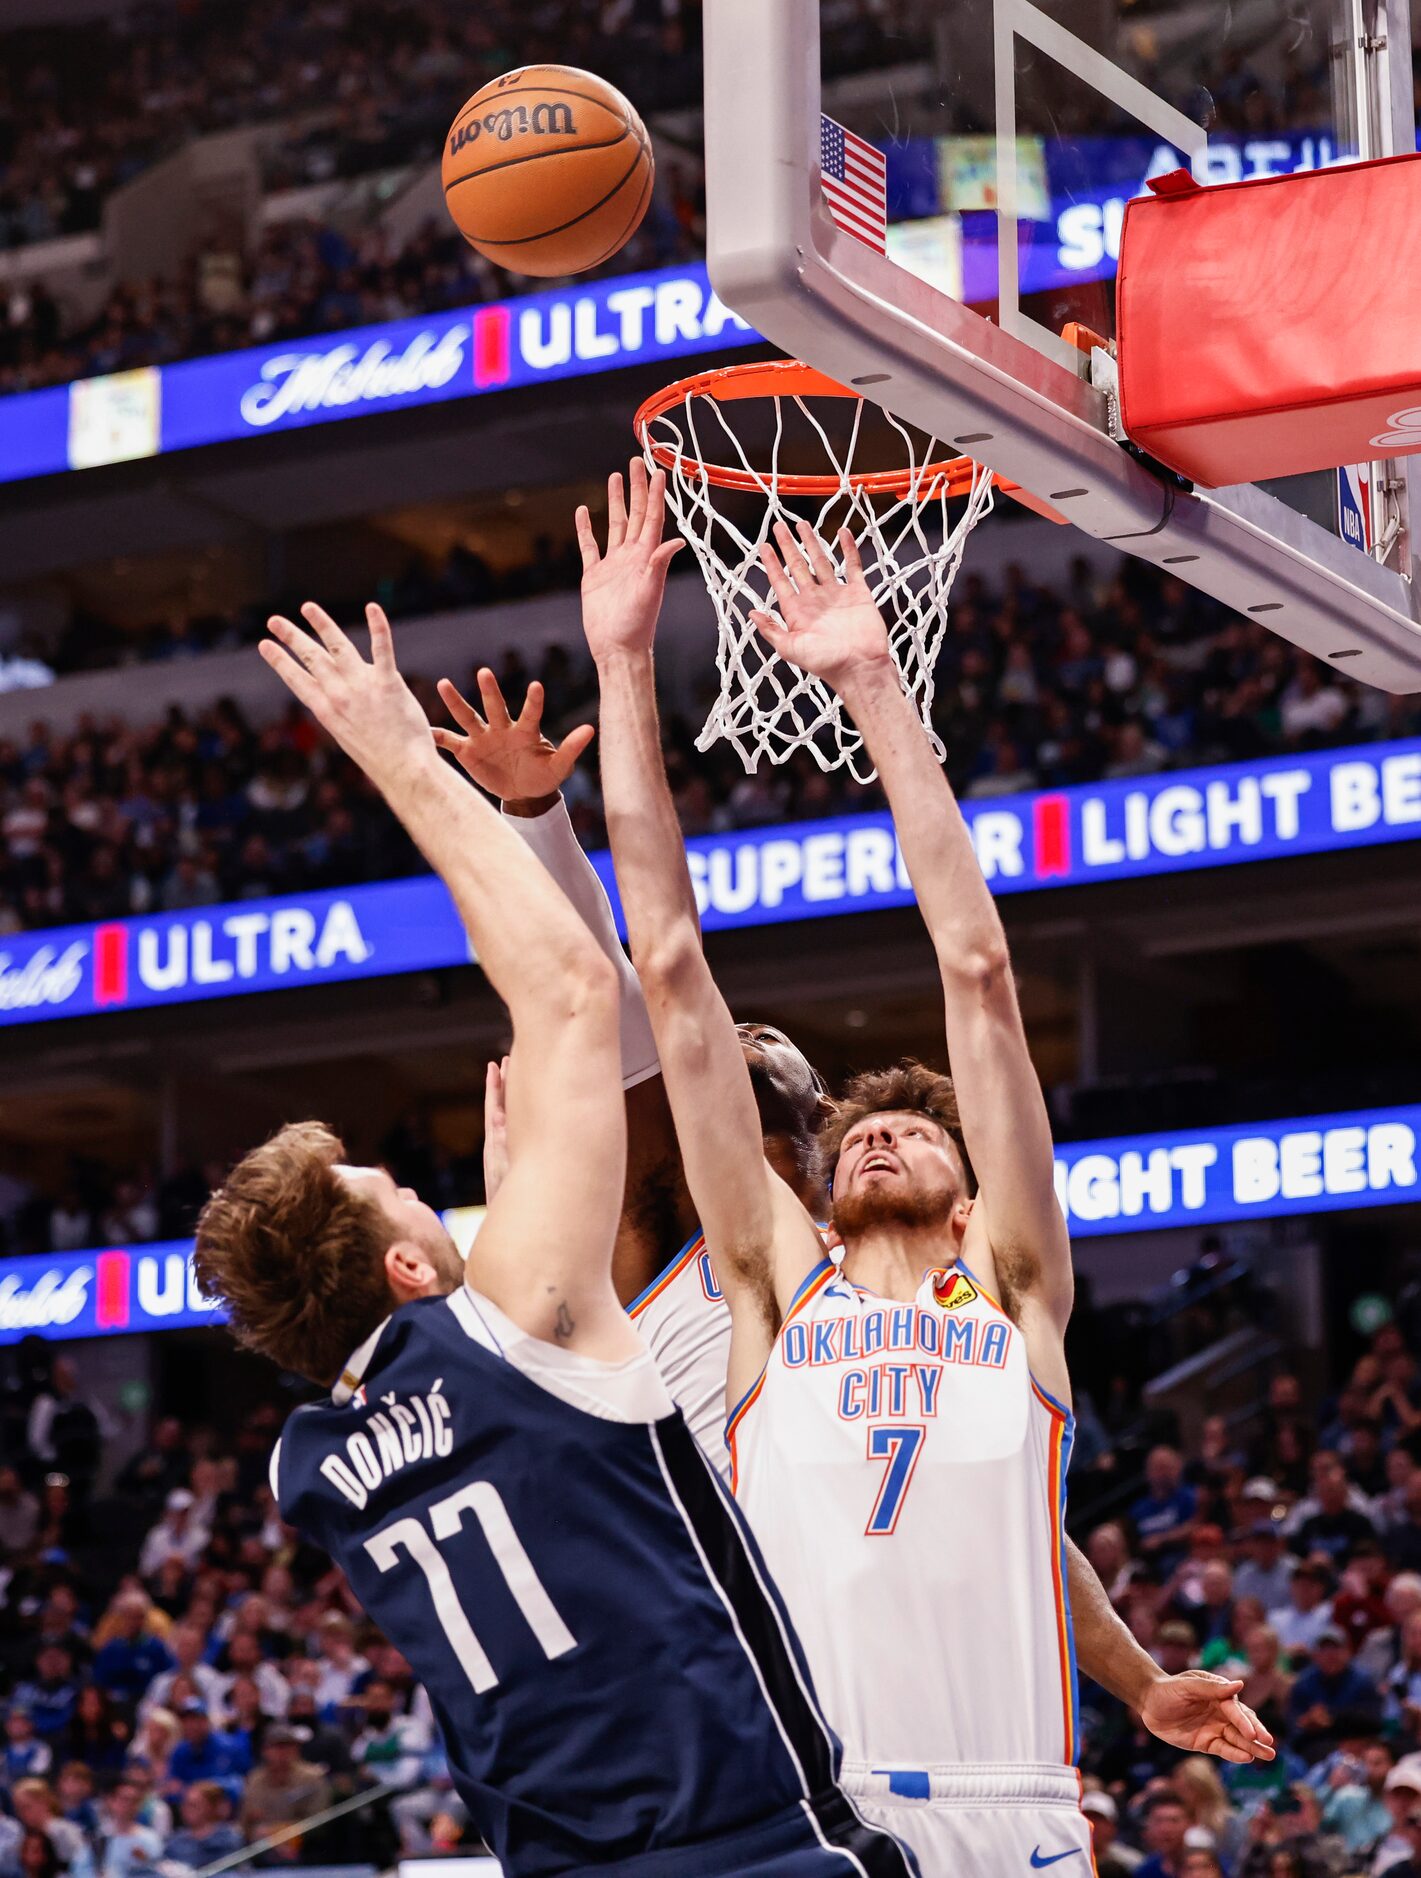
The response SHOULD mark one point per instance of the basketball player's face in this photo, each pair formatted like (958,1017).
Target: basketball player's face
(416,1225)
(896,1168)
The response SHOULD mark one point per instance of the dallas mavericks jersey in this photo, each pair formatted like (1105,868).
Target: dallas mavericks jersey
(904,1475)
(611,1672)
(686,1323)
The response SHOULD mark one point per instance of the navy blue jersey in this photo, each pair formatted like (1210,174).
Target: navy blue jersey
(611,1671)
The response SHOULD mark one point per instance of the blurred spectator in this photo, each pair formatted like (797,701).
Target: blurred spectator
(1266,1567)
(1164,1517)
(1266,1684)
(126,1845)
(389,1747)
(51,1692)
(284,1789)
(1355,1806)
(129,1654)
(25,1753)
(1334,1522)
(179,1534)
(207,1832)
(1328,1691)
(19,1513)
(1166,1822)
(1301,1621)
(189,1645)
(64,1430)
(205,1753)
(96,1735)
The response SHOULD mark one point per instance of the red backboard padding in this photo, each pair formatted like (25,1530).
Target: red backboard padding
(1274,326)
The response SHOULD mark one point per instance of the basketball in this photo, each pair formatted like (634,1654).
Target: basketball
(548,170)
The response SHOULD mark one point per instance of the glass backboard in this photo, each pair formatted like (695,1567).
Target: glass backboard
(1013,135)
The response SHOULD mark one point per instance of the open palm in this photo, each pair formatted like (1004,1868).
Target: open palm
(1202,1714)
(827,626)
(509,756)
(622,587)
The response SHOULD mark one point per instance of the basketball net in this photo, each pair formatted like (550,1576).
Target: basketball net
(910,545)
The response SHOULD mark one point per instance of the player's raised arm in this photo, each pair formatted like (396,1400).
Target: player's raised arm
(513,760)
(759,1235)
(830,626)
(544,1254)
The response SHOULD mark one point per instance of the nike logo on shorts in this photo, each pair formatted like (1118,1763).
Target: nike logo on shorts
(1038,1863)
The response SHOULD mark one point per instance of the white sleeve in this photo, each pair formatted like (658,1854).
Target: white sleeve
(552,839)
(629,1391)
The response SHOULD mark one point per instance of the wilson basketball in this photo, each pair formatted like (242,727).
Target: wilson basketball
(548,170)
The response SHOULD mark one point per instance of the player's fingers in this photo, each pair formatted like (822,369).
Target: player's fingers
(666,554)
(293,675)
(586,539)
(382,640)
(1247,1721)
(495,710)
(778,576)
(448,740)
(616,513)
(636,483)
(654,520)
(1225,1750)
(459,708)
(793,556)
(302,647)
(570,749)
(853,560)
(531,716)
(325,629)
(773,631)
(817,555)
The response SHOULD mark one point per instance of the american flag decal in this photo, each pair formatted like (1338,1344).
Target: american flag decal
(855,178)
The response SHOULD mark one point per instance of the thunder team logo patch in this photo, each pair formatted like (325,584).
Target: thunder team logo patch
(952,1290)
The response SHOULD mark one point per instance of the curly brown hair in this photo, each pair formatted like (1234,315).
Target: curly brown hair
(909,1086)
(297,1257)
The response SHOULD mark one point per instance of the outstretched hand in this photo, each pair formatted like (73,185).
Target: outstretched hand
(508,756)
(364,704)
(622,588)
(1202,1714)
(827,626)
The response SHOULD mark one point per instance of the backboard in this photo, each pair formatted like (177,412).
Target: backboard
(1013,134)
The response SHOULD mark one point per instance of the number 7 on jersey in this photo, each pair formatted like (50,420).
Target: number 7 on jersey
(898,1444)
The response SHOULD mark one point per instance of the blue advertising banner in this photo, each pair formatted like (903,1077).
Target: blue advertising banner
(630,319)
(1172,823)
(1136,1183)
(1265,1170)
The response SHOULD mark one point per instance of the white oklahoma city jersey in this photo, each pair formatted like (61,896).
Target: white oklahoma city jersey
(904,1475)
(683,1316)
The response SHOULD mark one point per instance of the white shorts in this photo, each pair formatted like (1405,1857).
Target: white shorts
(977,1819)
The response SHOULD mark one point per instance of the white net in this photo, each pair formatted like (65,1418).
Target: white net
(910,544)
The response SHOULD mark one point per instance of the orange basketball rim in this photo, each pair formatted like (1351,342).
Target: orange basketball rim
(788,378)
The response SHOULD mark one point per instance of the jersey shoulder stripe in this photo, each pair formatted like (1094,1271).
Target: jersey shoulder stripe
(693,1247)
(809,1290)
(813,1284)
(1060,1438)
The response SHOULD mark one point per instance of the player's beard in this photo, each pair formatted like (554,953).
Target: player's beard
(889,1204)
